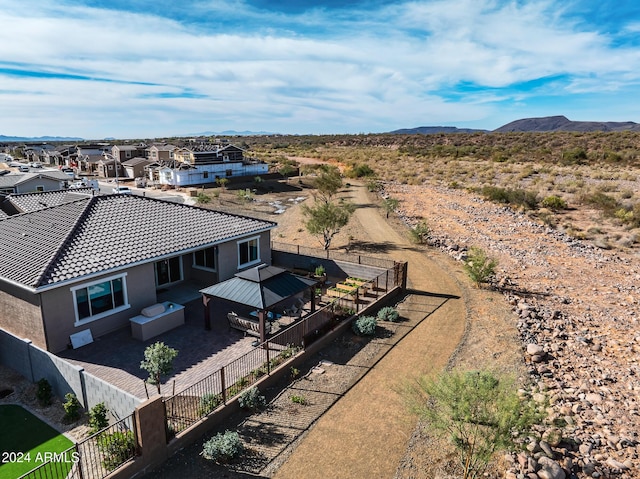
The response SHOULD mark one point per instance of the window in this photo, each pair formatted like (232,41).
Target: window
(205,174)
(228,173)
(205,258)
(168,271)
(248,252)
(39,188)
(100,299)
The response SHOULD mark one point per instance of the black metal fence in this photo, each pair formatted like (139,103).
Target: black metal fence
(190,405)
(333,255)
(93,458)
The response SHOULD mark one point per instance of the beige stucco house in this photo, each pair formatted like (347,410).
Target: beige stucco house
(96,262)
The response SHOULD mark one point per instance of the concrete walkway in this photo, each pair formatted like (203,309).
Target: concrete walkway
(365,434)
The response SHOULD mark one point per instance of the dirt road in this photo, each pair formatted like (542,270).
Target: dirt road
(365,434)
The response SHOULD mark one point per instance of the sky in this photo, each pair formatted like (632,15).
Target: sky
(156,68)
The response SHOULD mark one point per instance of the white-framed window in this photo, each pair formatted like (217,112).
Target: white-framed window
(248,252)
(205,258)
(100,298)
(40,188)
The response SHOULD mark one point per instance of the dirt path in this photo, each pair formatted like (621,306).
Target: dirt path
(365,434)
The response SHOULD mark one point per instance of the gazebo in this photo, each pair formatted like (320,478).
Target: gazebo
(261,288)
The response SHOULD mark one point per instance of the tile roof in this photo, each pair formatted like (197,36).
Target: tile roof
(102,233)
(13,179)
(44,199)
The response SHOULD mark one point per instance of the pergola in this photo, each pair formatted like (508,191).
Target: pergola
(261,288)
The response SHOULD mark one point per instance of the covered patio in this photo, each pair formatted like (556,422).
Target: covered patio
(263,293)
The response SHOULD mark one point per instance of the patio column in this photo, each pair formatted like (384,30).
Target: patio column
(207,315)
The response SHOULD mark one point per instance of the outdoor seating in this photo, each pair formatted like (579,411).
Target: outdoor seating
(247,325)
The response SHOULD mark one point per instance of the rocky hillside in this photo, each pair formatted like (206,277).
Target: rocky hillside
(562,123)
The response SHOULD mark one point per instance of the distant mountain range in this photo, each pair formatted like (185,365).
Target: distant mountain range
(543,124)
(40,139)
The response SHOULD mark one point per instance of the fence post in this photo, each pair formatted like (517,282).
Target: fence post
(150,424)
(268,362)
(79,462)
(223,386)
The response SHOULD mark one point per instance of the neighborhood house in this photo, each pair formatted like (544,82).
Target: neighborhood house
(95,262)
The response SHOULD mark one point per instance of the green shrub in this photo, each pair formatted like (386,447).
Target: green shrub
(252,400)
(517,197)
(360,170)
(299,399)
(479,266)
(388,313)
(44,393)
(203,199)
(116,448)
(420,233)
(72,407)
(208,403)
(223,447)
(364,326)
(554,203)
(98,417)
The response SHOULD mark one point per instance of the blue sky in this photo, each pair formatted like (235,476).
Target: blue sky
(144,69)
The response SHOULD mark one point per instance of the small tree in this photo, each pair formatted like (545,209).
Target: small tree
(480,414)
(72,407)
(44,392)
(419,233)
(479,266)
(326,219)
(222,182)
(287,170)
(327,183)
(98,417)
(389,205)
(158,361)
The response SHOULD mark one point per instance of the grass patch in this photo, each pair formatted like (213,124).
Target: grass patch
(32,440)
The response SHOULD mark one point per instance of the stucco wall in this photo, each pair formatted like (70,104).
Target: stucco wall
(21,315)
(59,315)
(228,256)
(31,185)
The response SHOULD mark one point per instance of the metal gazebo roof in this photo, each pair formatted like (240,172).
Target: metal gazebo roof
(261,287)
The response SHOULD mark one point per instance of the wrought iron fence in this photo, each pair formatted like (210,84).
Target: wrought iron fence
(193,403)
(334,255)
(93,458)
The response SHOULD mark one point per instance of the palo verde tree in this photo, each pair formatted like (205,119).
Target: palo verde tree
(326,218)
(480,413)
(327,183)
(158,361)
(390,205)
(479,266)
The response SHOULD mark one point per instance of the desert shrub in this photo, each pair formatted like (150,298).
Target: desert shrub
(364,326)
(208,402)
(575,156)
(420,233)
(299,400)
(203,199)
(116,448)
(517,197)
(98,417)
(44,393)
(608,204)
(479,266)
(252,399)
(373,185)
(71,407)
(388,313)
(554,203)
(223,447)
(360,170)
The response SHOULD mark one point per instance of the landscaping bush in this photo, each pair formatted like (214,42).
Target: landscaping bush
(208,403)
(554,203)
(364,326)
(252,400)
(44,393)
(222,448)
(419,233)
(116,448)
(98,417)
(388,313)
(299,399)
(72,407)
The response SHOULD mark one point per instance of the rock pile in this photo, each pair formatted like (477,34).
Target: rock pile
(576,312)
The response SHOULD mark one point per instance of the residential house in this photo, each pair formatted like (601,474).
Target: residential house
(88,156)
(137,167)
(126,152)
(26,202)
(94,263)
(109,167)
(160,153)
(206,162)
(27,182)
